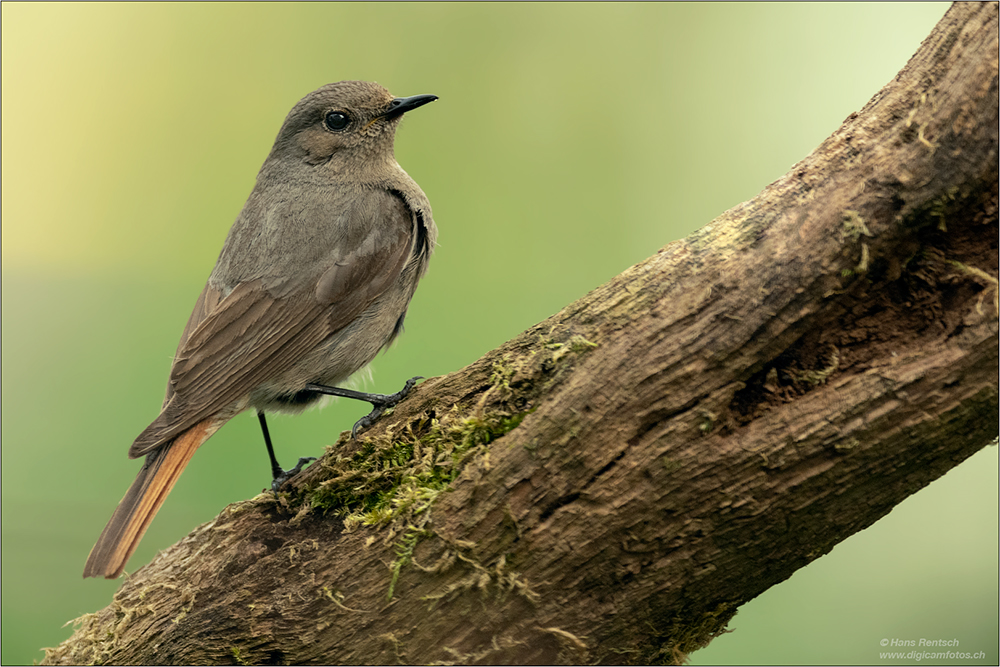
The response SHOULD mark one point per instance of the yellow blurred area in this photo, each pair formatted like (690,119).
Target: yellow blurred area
(132,131)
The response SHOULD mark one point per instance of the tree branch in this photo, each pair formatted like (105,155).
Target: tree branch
(615,482)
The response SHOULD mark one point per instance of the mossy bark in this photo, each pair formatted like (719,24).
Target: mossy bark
(615,482)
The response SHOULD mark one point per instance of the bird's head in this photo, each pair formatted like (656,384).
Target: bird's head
(345,126)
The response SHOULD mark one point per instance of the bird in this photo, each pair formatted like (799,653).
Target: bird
(313,280)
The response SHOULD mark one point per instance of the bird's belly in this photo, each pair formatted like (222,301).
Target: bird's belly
(334,360)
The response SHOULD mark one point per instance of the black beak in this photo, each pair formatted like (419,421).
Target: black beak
(401,105)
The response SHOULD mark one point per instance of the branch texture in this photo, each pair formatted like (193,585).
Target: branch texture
(612,485)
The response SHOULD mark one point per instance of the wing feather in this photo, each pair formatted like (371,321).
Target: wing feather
(250,336)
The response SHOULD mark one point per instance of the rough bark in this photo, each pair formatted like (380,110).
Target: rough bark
(615,482)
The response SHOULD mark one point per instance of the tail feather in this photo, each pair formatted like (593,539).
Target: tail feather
(141,502)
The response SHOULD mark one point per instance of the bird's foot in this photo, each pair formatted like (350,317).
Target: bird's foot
(286,475)
(381,403)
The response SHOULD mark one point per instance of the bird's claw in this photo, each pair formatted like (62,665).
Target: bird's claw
(381,403)
(288,474)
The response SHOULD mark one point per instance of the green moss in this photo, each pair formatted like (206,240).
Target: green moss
(854,226)
(497,578)
(939,207)
(707,422)
(404,554)
(503,371)
(863,262)
(393,480)
(237,656)
(580,344)
(577,344)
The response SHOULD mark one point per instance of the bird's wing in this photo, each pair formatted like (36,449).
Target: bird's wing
(207,301)
(249,336)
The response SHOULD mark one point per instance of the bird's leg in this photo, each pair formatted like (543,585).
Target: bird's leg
(280,476)
(380,402)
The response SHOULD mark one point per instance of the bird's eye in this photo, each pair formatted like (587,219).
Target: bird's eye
(337,120)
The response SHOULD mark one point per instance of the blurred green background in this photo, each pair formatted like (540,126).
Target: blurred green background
(570,141)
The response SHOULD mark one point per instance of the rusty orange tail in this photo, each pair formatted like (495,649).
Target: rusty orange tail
(136,510)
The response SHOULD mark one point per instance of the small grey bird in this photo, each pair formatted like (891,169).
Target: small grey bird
(313,280)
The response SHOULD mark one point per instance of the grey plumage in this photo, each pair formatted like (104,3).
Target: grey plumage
(315,273)
(313,280)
